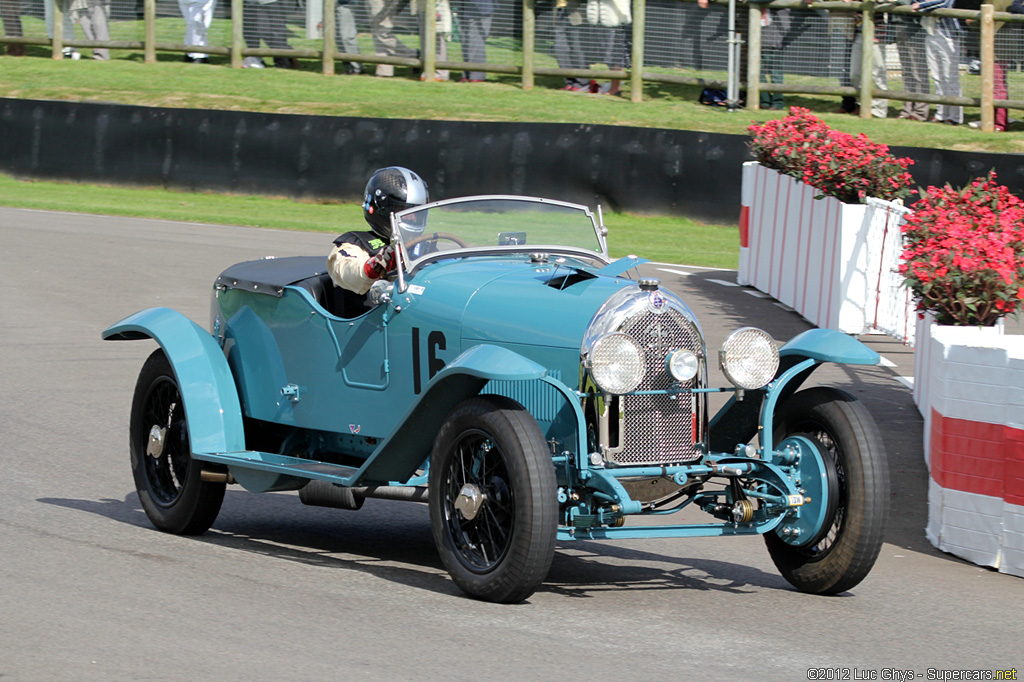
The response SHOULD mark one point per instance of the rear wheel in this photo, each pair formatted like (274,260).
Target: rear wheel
(167,478)
(493,506)
(838,557)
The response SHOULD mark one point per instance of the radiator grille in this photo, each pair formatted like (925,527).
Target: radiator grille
(660,429)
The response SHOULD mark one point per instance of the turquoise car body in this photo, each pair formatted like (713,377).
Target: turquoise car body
(354,400)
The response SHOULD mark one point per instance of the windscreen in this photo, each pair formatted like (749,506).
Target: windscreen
(486,224)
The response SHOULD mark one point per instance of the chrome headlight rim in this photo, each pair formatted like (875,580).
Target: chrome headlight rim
(749,358)
(605,363)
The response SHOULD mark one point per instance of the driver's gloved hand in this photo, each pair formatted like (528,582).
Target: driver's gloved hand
(379,265)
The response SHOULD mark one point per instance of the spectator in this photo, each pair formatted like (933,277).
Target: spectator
(842,29)
(909,37)
(94,16)
(345,28)
(67,24)
(198,15)
(942,50)
(442,34)
(1007,42)
(741,34)
(265,20)
(385,42)
(879,107)
(568,42)
(775,27)
(10,12)
(475,26)
(612,22)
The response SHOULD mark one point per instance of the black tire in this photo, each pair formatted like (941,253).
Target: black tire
(502,552)
(844,555)
(168,480)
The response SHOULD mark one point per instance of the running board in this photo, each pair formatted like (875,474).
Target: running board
(282,464)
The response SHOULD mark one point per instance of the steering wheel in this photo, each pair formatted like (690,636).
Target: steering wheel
(434,236)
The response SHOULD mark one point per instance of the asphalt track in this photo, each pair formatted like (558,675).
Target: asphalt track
(280,591)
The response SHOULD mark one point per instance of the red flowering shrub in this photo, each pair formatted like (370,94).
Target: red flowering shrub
(847,167)
(963,253)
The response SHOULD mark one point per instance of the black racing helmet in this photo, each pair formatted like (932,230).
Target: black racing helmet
(389,190)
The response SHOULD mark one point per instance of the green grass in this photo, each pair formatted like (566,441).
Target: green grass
(669,240)
(171,83)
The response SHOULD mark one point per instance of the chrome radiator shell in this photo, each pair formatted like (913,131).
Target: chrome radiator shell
(666,428)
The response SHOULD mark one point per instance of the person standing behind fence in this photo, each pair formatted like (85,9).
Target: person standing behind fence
(94,17)
(1007,45)
(841,31)
(568,43)
(612,22)
(346,34)
(67,24)
(475,26)
(442,33)
(775,27)
(198,15)
(942,50)
(910,38)
(382,27)
(879,107)
(10,12)
(265,19)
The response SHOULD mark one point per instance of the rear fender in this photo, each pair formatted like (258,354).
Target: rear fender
(409,445)
(207,386)
(739,420)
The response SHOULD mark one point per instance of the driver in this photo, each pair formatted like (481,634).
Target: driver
(360,257)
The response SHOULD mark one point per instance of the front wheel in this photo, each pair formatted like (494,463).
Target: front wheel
(168,480)
(493,505)
(837,557)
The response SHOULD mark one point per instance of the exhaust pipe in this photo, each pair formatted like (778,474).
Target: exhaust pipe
(325,494)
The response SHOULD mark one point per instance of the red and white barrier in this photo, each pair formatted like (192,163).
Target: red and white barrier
(834,263)
(970,390)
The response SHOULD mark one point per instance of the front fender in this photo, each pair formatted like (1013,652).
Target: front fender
(829,345)
(207,386)
(738,421)
(409,445)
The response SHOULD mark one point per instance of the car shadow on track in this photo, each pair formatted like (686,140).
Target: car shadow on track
(392,541)
(584,571)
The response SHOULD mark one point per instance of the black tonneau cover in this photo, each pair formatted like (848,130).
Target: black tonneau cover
(272,275)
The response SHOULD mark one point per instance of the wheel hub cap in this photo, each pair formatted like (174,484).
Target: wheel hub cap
(469,501)
(155,447)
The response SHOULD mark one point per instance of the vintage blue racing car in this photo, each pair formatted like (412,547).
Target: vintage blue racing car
(511,376)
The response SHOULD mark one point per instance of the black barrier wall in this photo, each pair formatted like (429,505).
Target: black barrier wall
(670,172)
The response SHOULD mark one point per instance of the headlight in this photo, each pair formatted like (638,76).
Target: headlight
(616,363)
(682,365)
(749,358)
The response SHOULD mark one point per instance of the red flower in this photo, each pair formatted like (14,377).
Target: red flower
(964,252)
(850,168)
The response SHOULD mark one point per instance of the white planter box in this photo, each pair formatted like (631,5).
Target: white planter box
(969,386)
(833,263)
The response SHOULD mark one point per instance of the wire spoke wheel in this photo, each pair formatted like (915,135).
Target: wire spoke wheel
(167,478)
(839,557)
(482,534)
(493,508)
(167,461)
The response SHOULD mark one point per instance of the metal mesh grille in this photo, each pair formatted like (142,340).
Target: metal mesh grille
(658,429)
